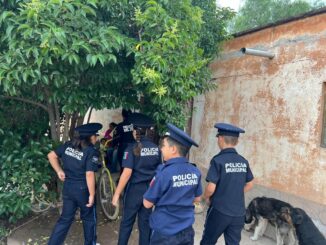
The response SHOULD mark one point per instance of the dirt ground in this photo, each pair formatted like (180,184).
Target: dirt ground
(37,232)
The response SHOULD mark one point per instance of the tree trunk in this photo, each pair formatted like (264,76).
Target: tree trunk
(80,120)
(73,123)
(57,118)
(189,109)
(53,127)
(65,136)
(89,114)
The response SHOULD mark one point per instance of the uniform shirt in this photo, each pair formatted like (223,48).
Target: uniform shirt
(145,165)
(173,190)
(230,172)
(77,162)
(124,133)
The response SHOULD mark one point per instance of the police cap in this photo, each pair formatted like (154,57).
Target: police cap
(88,129)
(180,136)
(228,130)
(139,120)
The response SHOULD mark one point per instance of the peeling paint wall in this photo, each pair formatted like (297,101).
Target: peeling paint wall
(278,102)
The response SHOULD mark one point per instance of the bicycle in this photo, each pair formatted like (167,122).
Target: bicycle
(41,202)
(106,189)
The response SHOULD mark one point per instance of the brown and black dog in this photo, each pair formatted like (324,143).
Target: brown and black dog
(306,230)
(264,210)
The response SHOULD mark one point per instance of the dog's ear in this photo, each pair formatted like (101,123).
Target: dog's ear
(297,217)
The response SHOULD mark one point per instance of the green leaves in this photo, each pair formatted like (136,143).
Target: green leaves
(258,13)
(72,55)
(170,65)
(21,173)
(70,45)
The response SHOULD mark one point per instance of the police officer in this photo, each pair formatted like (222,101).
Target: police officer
(228,177)
(80,161)
(139,163)
(123,136)
(173,190)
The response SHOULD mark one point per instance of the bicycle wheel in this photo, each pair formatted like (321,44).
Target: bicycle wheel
(106,190)
(39,205)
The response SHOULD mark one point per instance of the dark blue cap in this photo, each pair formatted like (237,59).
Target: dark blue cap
(88,129)
(140,120)
(182,137)
(228,129)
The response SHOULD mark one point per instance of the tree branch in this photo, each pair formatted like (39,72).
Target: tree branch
(139,34)
(26,101)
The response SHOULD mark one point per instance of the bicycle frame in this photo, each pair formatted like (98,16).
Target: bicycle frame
(105,168)
(106,192)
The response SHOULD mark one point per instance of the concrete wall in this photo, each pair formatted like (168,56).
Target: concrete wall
(278,102)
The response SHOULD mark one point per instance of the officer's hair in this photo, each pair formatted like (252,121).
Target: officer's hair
(124,113)
(80,142)
(113,124)
(137,148)
(230,140)
(183,150)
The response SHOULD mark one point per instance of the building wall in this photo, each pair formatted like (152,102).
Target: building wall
(105,117)
(278,102)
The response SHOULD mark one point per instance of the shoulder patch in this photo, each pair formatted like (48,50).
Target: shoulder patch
(95,159)
(125,155)
(152,182)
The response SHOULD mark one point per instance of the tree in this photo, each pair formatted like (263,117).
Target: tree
(173,48)
(213,31)
(66,56)
(258,13)
(55,59)
(166,78)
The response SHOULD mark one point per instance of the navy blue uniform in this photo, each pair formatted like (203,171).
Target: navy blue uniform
(124,137)
(75,192)
(173,191)
(143,169)
(230,172)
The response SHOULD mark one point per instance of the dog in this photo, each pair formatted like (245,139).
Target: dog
(263,210)
(307,232)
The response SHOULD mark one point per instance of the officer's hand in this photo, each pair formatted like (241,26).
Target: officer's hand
(61,175)
(208,201)
(90,201)
(115,200)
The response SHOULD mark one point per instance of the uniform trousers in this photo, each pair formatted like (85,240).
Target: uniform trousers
(75,195)
(217,224)
(133,207)
(184,237)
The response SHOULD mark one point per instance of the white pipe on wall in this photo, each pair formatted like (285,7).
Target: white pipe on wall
(256,52)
